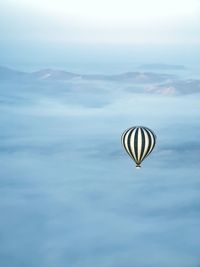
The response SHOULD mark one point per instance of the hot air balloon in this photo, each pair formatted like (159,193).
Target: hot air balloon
(138,142)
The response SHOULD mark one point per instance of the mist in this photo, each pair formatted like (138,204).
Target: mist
(71,196)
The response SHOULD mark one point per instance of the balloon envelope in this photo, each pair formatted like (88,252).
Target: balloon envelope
(138,142)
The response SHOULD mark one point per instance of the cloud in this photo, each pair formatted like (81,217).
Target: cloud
(71,194)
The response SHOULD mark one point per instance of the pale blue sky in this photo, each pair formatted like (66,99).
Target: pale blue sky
(127,21)
(51,30)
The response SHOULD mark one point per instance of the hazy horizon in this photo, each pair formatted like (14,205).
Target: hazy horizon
(88,34)
(89,58)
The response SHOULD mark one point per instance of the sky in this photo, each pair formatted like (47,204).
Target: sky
(37,32)
(88,21)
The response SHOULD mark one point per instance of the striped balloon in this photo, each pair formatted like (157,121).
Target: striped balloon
(138,142)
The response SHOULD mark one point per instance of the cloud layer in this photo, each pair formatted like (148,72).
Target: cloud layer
(70,196)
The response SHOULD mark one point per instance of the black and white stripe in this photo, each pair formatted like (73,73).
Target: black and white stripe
(138,142)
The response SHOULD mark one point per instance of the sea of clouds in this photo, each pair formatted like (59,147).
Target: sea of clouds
(71,196)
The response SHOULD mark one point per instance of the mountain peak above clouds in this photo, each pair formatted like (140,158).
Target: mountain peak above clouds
(153,82)
(7,73)
(51,74)
(62,75)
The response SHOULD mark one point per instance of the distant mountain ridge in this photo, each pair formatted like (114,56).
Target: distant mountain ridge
(176,87)
(161,66)
(10,73)
(166,84)
(62,75)
(51,74)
